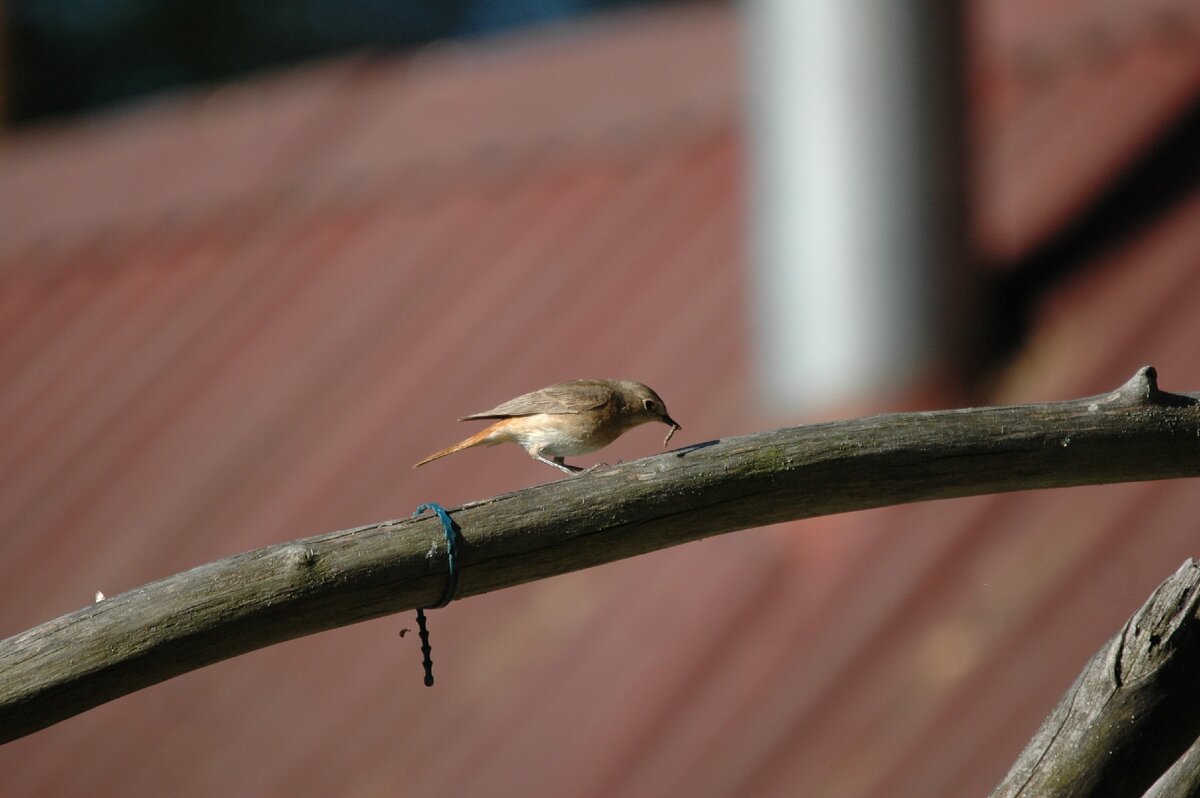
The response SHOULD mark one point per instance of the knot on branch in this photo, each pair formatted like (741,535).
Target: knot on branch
(1142,388)
(301,558)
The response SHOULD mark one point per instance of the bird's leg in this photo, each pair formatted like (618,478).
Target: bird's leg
(578,469)
(558,463)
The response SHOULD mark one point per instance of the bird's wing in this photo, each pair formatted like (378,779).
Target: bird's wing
(575,396)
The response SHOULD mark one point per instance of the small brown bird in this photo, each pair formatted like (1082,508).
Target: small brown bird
(570,418)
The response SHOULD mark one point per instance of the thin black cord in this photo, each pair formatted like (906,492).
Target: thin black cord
(451,531)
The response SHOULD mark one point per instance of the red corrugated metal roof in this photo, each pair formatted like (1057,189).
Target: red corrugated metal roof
(1070,93)
(233,319)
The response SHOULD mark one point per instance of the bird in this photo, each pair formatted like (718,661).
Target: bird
(567,419)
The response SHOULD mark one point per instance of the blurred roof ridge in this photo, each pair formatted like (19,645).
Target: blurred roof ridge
(346,130)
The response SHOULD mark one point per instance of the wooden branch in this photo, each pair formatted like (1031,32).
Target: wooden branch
(1131,713)
(261,597)
(1182,779)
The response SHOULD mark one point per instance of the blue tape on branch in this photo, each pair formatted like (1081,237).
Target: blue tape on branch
(451,531)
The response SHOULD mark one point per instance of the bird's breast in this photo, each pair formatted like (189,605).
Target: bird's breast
(565,434)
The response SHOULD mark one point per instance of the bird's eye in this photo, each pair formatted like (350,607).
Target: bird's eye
(649,404)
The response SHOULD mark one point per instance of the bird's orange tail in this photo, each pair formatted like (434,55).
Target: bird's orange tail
(482,438)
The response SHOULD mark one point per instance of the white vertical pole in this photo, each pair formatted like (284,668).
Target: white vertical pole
(851,216)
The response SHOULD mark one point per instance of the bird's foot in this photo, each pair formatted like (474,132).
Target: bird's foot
(558,463)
